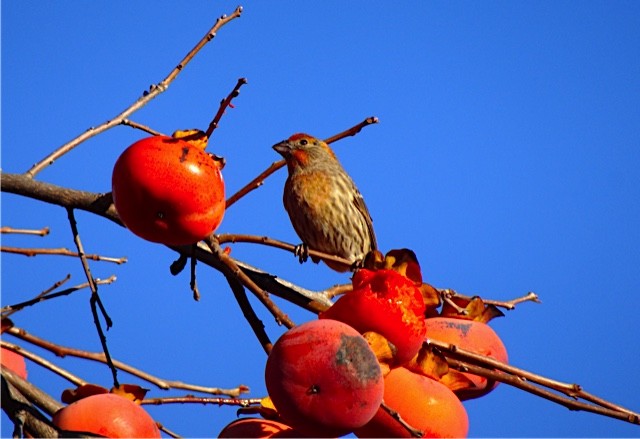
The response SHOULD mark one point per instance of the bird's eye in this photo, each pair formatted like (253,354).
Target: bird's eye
(303,142)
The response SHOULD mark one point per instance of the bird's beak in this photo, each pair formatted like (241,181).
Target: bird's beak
(283,148)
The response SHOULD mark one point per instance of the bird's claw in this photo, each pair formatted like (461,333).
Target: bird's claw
(302,252)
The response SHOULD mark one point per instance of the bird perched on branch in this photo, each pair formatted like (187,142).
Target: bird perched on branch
(325,207)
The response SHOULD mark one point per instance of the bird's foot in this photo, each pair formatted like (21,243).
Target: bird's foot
(302,252)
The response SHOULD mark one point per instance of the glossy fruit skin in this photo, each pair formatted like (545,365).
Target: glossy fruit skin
(168,191)
(257,428)
(108,415)
(386,302)
(15,362)
(473,336)
(423,403)
(323,378)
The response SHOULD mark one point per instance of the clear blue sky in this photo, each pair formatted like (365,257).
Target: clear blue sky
(506,157)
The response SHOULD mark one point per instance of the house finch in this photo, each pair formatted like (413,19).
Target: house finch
(325,207)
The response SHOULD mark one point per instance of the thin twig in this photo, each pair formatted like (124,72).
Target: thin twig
(396,416)
(59,252)
(141,127)
(101,204)
(448,294)
(190,399)
(481,365)
(17,398)
(234,238)
(95,298)
(74,379)
(192,282)
(353,130)
(249,314)
(10,309)
(40,232)
(226,102)
(259,180)
(161,427)
(147,96)
(231,268)
(62,351)
(337,290)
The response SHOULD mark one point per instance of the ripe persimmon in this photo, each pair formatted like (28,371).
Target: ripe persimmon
(168,190)
(324,379)
(472,335)
(15,362)
(387,303)
(257,428)
(425,404)
(108,415)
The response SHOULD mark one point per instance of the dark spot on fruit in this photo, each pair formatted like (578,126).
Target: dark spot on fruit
(185,153)
(354,352)
(160,215)
(461,326)
(313,390)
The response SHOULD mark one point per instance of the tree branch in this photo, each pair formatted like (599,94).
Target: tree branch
(147,96)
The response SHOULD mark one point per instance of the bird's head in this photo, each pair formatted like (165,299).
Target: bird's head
(301,150)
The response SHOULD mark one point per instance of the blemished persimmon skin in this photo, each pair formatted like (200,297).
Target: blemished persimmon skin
(257,428)
(423,403)
(168,191)
(15,362)
(324,379)
(385,302)
(473,336)
(108,415)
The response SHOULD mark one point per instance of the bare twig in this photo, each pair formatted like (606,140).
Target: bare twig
(234,238)
(190,399)
(40,232)
(337,290)
(231,268)
(10,309)
(17,398)
(62,351)
(101,204)
(353,130)
(226,102)
(44,363)
(193,283)
(448,294)
(396,416)
(248,312)
(59,252)
(259,180)
(95,298)
(141,127)
(481,365)
(147,96)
